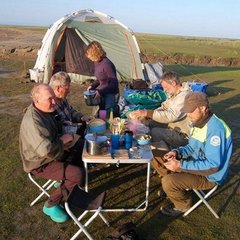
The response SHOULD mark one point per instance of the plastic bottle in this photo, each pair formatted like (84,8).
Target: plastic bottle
(110,120)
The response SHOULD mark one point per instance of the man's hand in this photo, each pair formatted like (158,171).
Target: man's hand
(170,155)
(173,165)
(138,114)
(67,138)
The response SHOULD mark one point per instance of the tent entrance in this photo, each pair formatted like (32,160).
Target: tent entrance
(70,57)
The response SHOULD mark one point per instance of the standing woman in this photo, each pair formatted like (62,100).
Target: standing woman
(106,82)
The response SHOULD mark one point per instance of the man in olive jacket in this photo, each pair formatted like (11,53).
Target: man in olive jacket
(44,150)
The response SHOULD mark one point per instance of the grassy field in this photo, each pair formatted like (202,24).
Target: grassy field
(125,185)
(214,47)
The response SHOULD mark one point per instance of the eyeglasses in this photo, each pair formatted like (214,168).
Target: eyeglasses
(65,86)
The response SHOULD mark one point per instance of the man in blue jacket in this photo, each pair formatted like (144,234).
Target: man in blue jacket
(203,162)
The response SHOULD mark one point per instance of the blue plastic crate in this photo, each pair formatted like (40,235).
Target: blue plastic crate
(198,86)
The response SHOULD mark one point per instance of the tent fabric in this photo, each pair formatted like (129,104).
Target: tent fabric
(63,47)
(76,61)
(153,72)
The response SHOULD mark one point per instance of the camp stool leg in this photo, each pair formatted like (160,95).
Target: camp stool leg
(94,206)
(83,226)
(43,188)
(203,198)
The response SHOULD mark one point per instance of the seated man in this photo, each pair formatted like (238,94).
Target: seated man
(203,162)
(44,151)
(169,126)
(72,120)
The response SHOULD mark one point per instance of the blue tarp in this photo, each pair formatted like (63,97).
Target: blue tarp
(144,100)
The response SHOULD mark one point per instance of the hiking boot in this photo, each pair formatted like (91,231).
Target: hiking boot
(92,165)
(171,211)
(161,194)
(153,171)
(56,213)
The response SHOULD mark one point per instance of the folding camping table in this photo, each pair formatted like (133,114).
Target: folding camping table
(122,157)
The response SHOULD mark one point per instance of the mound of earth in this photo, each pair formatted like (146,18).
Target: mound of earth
(193,60)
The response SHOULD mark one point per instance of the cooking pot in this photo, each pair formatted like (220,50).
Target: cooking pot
(96,145)
(97,125)
(90,99)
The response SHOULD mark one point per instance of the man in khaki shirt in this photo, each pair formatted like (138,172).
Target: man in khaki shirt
(169,127)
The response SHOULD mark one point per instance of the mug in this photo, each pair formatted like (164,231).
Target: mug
(115,141)
(128,139)
(102,114)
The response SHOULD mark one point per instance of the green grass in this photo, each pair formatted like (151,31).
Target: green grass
(124,185)
(164,44)
(22,27)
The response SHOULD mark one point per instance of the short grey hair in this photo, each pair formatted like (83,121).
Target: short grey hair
(59,79)
(36,90)
(170,76)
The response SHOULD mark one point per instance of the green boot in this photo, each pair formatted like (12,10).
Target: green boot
(56,213)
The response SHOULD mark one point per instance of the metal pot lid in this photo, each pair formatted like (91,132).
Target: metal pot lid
(94,138)
(89,92)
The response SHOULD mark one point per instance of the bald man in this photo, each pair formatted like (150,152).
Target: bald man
(44,150)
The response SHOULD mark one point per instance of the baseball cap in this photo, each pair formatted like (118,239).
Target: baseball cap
(194,100)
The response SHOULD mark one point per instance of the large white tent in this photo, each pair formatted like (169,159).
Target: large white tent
(64,43)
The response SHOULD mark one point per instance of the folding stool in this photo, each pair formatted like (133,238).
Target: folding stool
(86,202)
(43,188)
(203,199)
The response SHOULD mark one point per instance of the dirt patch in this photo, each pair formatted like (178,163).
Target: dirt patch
(19,42)
(8,104)
(7,73)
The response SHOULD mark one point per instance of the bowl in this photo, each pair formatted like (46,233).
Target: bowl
(97,125)
(143,139)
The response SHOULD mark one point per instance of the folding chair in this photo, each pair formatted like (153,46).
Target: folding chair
(86,202)
(43,188)
(203,197)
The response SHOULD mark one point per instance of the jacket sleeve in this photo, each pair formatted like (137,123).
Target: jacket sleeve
(76,116)
(95,84)
(45,144)
(110,88)
(209,161)
(170,110)
(112,81)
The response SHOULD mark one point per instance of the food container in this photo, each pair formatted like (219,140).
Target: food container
(90,99)
(96,145)
(198,86)
(97,125)
(128,139)
(143,139)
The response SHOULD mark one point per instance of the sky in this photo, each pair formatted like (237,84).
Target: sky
(201,18)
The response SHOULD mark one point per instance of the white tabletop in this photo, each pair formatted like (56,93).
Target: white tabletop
(120,156)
